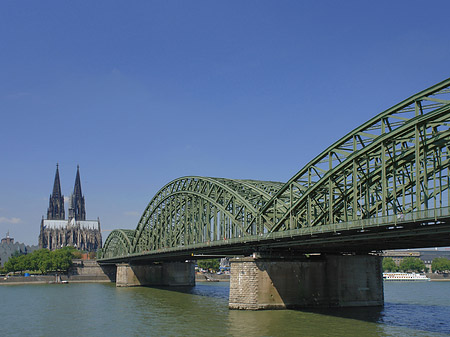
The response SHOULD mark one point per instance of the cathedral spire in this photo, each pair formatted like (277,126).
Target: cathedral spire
(56,203)
(77,209)
(77,187)
(57,184)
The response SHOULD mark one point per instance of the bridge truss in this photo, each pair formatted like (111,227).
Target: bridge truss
(393,166)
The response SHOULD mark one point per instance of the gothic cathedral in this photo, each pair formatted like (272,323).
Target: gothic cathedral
(57,232)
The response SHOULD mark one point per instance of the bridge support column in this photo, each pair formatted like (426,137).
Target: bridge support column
(156,274)
(317,281)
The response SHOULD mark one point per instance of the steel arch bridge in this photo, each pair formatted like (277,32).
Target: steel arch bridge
(392,172)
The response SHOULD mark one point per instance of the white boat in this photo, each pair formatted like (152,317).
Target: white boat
(405,277)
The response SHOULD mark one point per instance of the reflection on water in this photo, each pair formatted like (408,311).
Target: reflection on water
(411,309)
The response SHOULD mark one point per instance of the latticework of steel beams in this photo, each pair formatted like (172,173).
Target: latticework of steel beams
(118,243)
(394,164)
(198,209)
(191,210)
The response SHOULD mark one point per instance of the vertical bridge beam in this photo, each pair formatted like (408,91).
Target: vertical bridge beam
(318,281)
(156,274)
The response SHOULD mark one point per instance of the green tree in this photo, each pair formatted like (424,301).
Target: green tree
(23,263)
(210,264)
(34,259)
(17,262)
(389,264)
(11,266)
(412,264)
(62,259)
(45,265)
(41,260)
(440,264)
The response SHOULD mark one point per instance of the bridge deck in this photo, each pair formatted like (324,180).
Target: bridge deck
(388,232)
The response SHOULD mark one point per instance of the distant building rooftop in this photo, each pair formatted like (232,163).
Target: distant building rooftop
(7,239)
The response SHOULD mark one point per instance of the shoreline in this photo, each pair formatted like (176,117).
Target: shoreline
(54,279)
(43,282)
(199,277)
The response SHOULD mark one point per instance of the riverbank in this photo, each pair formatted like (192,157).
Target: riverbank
(96,277)
(209,277)
(438,277)
(82,271)
(62,278)
(46,279)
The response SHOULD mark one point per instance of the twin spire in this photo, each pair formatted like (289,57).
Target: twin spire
(55,209)
(56,184)
(77,208)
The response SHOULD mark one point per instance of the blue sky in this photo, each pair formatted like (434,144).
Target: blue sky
(139,93)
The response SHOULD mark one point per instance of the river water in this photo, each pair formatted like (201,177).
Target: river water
(411,309)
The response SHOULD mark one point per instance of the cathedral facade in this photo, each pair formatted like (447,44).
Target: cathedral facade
(57,232)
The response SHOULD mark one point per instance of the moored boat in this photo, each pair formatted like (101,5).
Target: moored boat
(405,277)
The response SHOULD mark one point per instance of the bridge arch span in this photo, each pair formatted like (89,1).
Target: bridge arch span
(192,210)
(118,243)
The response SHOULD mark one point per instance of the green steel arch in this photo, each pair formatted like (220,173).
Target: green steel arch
(118,243)
(339,183)
(192,210)
(396,163)
(403,171)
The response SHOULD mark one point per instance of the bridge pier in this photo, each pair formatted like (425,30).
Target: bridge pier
(315,281)
(156,274)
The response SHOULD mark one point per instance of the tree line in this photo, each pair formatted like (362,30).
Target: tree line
(42,260)
(209,264)
(414,264)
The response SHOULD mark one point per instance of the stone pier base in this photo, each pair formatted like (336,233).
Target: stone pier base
(317,281)
(156,274)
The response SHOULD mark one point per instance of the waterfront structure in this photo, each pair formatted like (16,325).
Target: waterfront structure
(384,185)
(398,255)
(57,232)
(8,247)
(427,256)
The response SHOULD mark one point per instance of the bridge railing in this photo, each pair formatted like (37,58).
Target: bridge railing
(394,220)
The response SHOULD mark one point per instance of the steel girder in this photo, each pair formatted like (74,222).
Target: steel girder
(359,175)
(403,171)
(191,210)
(118,243)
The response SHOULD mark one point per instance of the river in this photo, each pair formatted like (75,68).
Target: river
(411,309)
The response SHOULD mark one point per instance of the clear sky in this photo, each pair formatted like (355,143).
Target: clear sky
(139,93)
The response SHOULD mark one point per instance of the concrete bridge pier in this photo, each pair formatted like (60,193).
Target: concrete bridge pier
(156,274)
(314,281)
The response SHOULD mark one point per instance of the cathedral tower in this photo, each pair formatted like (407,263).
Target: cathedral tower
(56,232)
(77,209)
(56,203)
